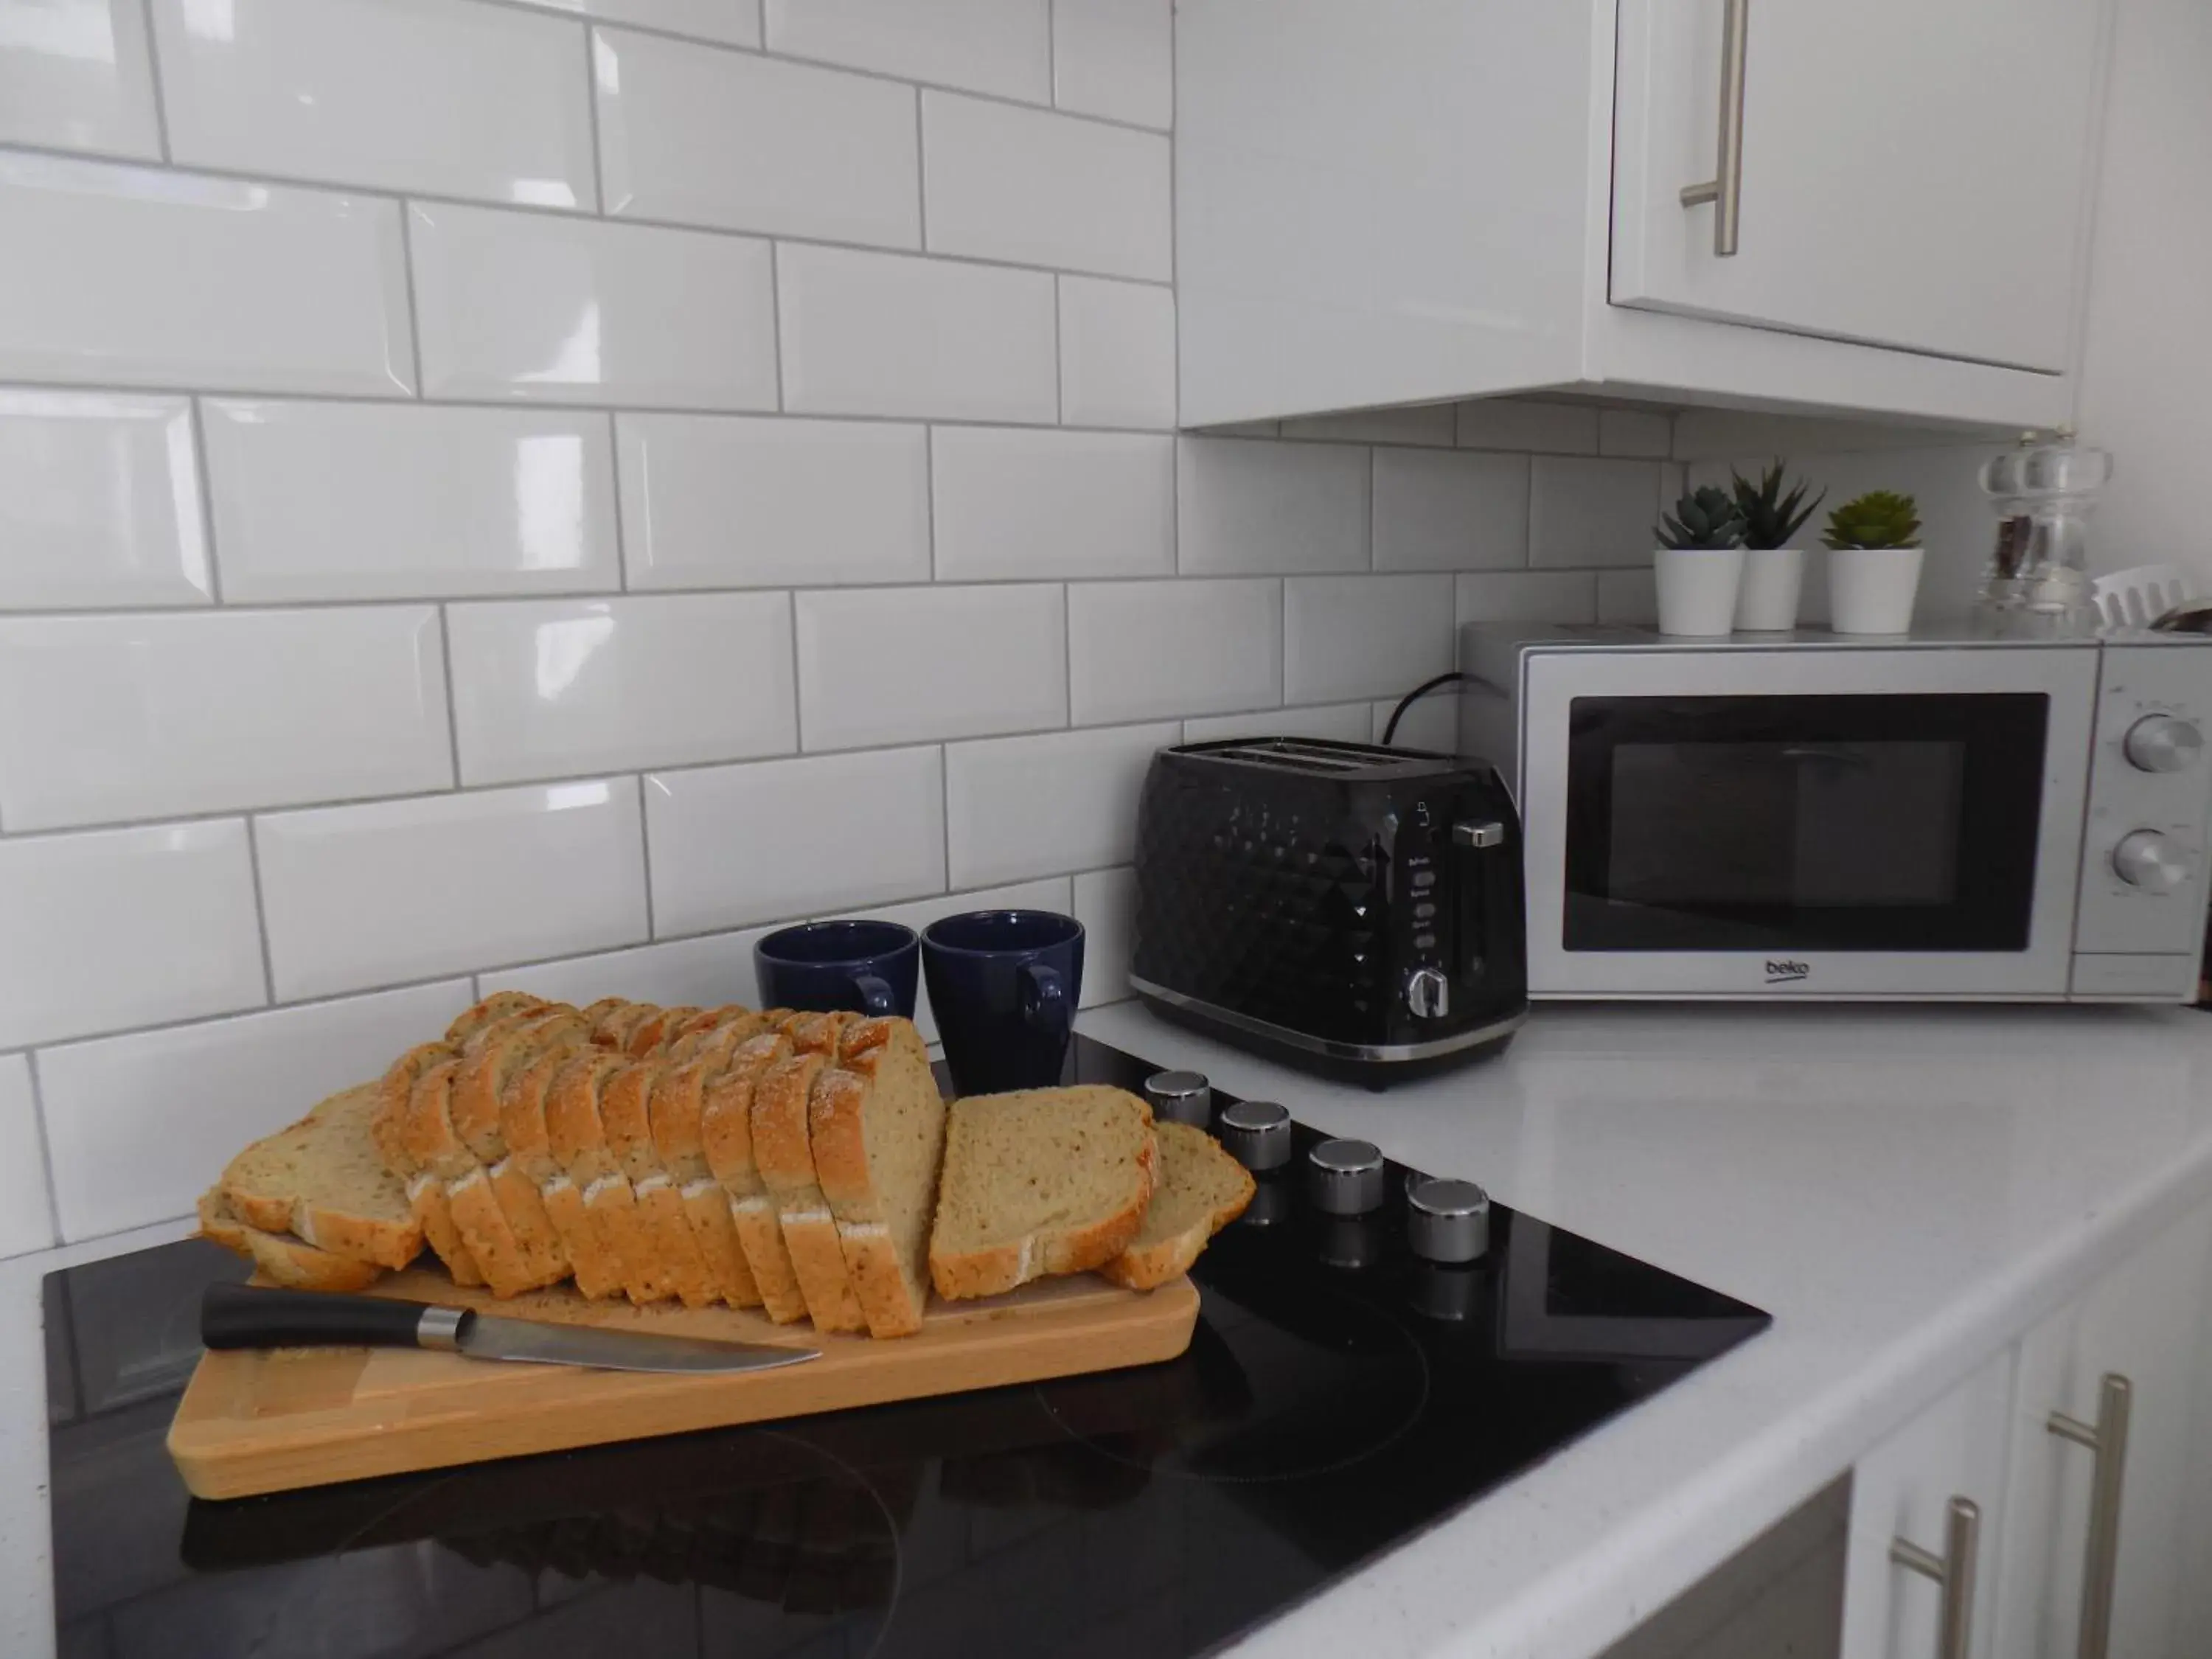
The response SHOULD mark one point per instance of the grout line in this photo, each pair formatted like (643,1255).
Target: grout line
(1059,356)
(615,485)
(592,116)
(645,851)
(1051,53)
(760,14)
(920,176)
(944,806)
(154,75)
(260,913)
(414,309)
(1370,508)
(797,701)
(452,702)
(45,1149)
(775,321)
(1067,653)
(196,417)
(156,1027)
(929,491)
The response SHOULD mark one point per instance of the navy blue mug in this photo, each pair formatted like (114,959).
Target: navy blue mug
(1003,984)
(866,967)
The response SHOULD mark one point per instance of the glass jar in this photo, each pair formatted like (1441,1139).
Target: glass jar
(2043,492)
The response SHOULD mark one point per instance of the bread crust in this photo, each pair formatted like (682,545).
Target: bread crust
(837,1111)
(529,1162)
(678,1099)
(499,1004)
(625,1112)
(613,1029)
(381,1238)
(1144,1267)
(725,1136)
(280,1259)
(578,1139)
(650,1033)
(488,1074)
(477,1217)
(783,1151)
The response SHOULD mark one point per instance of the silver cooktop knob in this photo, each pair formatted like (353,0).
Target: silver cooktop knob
(2148,861)
(1257,1133)
(1345,1178)
(2163,743)
(1447,1221)
(1181,1096)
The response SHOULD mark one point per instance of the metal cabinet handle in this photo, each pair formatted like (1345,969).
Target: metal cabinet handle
(1954,1570)
(1725,188)
(2108,1439)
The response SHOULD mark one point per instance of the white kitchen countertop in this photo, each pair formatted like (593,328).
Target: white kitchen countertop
(1904,1190)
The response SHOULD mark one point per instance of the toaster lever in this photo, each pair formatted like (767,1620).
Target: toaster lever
(1489,833)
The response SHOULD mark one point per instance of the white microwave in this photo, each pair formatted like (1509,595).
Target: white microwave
(1931,817)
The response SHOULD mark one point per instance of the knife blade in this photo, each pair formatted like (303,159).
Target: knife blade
(247,1317)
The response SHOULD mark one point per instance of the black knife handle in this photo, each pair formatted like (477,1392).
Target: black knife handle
(244,1316)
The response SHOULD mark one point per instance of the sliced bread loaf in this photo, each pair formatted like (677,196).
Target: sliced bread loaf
(612,1029)
(783,1151)
(1042,1180)
(483,1224)
(426,1193)
(324,1181)
(725,1135)
(487,1071)
(625,1113)
(877,1123)
(648,1036)
(281,1259)
(578,1138)
(499,1005)
(530,1159)
(679,1098)
(1201,1190)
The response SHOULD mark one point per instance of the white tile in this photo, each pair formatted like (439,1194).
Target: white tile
(1591,512)
(1141,651)
(1566,596)
(733,22)
(138,716)
(779,839)
(702,973)
(985,45)
(1030,806)
(1345,722)
(1627,596)
(1117,353)
(397,95)
(125,928)
(1451,511)
(1106,905)
(360,895)
(100,501)
(534,305)
(77,75)
(823,155)
(1054,894)
(1364,636)
(712,501)
(27,1215)
(888,334)
(1515,423)
(1026,503)
(1637,432)
(1003,183)
(902,664)
(1116,59)
(1428,426)
(1431,723)
(547,688)
(362,502)
(140,1126)
(1245,507)
(291,289)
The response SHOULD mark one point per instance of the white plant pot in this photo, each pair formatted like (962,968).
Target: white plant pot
(1871,589)
(1697,588)
(1773,577)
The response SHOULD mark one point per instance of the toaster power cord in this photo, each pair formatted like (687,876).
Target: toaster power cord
(1390,730)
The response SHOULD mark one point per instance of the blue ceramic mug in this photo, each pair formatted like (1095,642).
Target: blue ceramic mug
(1004,985)
(867,967)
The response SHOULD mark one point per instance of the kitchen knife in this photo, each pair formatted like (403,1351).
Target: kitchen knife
(244,1316)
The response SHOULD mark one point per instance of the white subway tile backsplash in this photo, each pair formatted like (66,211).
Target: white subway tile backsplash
(732,22)
(1117,353)
(1429,425)
(885,334)
(396,94)
(713,500)
(1450,510)
(1106,905)
(100,501)
(546,688)
(77,75)
(125,928)
(1591,512)
(1021,503)
(1054,894)
(898,665)
(1114,59)
(318,500)
(1635,432)
(1627,596)
(734,845)
(26,1216)
(107,718)
(1002,46)
(1141,651)
(1373,636)
(1017,807)
(535,306)
(1246,506)
(1003,183)
(699,973)
(139,1126)
(753,143)
(290,290)
(1345,722)
(361,896)
(1518,423)
(1564,596)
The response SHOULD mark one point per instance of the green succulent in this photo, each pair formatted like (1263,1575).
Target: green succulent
(1881,518)
(1771,517)
(1705,518)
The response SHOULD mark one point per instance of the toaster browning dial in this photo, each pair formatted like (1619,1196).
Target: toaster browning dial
(1428,994)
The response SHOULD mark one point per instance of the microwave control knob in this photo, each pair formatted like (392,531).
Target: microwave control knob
(1428,994)
(1257,1133)
(1345,1178)
(2148,861)
(1181,1096)
(1447,1221)
(2163,743)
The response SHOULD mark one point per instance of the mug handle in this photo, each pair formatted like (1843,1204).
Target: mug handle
(1044,999)
(875,994)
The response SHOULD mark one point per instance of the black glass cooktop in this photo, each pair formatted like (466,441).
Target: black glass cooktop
(1339,1396)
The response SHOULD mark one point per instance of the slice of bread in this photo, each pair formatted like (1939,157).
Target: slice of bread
(281,1259)
(483,1224)
(649,1034)
(877,1123)
(324,1181)
(725,1135)
(426,1193)
(487,1071)
(612,1029)
(679,1098)
(783,1151)
(1201,1190)
(499,1005)
(1042,1180)
(529,1162)
(626,1115)
(578,1138)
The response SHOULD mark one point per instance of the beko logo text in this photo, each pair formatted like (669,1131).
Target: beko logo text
(1779,972)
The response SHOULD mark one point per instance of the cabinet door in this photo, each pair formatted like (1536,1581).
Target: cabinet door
(2143,1322)
(1903,1490)
(1913,175)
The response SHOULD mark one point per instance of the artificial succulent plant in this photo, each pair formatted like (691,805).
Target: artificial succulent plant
(1881,518)
(1706,517)
(1771,517)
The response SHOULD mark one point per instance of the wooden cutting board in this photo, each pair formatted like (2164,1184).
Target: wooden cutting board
(261,1422)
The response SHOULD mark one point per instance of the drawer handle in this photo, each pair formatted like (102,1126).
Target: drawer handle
(1954,1570)
(1724,190)
(2108,1439)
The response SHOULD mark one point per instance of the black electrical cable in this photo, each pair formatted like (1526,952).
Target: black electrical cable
(1413,697)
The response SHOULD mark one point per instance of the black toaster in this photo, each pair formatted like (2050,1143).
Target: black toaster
(1351,908)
